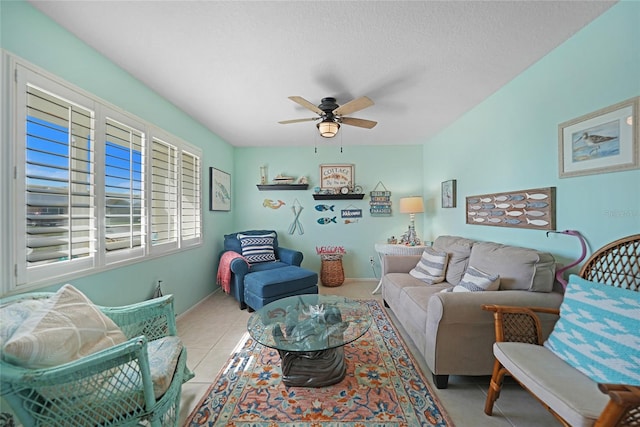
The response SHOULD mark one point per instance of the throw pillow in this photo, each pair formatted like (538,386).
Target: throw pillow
(431,267)
(475,280)
(597,332)
(69,326)
(257,248)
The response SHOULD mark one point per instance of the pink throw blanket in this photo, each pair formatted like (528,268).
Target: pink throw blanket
(224,269)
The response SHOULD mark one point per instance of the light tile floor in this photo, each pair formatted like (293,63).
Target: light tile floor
(212,329)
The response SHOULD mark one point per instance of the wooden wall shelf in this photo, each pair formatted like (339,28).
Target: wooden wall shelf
(268,187)
(338,196)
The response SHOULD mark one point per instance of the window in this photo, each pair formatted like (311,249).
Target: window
(85,197)
(164,193)
(190,204)
(124,226)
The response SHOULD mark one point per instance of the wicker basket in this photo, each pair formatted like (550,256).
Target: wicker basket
(331,273)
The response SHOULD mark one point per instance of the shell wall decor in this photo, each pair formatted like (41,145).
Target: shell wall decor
(535,208)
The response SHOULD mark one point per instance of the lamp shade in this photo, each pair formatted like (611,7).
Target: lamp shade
(413,204)
(328,128)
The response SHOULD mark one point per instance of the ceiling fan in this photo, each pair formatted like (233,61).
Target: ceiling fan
(332,115)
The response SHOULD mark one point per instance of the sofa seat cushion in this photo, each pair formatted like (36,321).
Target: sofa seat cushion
(269,283)
(519,268)
(264,266)
(570,393)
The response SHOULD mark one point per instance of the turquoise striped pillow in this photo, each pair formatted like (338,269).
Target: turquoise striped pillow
(598,332)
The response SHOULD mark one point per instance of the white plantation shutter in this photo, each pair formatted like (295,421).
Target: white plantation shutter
(59,182)
(124,190)
(190,207)
(94,187)
(164,193)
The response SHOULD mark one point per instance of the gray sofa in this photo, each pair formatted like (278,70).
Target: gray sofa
(450,329)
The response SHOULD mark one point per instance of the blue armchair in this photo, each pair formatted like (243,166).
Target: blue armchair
(258,283)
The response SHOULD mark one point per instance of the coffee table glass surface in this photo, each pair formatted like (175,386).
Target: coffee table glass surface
(309,322)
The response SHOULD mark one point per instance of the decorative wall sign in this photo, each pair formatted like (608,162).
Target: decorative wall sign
(607,140)
(219,190)
(351,213)
(449,194)
(336,177)
(380,201)
(535,208)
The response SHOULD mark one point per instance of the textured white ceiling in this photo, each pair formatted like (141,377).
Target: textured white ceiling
(232,64)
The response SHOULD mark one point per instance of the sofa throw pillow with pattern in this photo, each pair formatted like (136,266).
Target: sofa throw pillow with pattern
(257,248)
(597,332)
(475,280)
(67,327)
(432,266)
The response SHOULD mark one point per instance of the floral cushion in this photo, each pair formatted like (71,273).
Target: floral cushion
(14,314)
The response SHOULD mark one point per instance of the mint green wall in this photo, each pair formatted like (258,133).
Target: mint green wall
(510,142)
(399,168)
(190,275)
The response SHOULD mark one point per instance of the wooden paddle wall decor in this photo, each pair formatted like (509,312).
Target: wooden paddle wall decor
(534,208)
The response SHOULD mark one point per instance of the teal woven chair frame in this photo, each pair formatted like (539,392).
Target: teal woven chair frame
(112,387)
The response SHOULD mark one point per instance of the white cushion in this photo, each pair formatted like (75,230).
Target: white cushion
(432,266)
(567,391)
(475,280)
(69,326)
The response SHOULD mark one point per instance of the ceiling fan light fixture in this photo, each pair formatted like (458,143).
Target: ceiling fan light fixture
(328,128)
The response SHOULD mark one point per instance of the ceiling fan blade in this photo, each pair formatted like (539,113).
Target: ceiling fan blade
(286,122)
(306,104)
(353,106)
(361,123)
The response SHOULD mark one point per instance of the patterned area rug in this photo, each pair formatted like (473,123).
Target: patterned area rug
(383,387)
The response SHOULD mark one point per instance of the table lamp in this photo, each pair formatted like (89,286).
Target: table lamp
(412,205)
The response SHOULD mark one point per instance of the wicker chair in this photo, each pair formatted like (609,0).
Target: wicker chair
(107,388)
(616,264)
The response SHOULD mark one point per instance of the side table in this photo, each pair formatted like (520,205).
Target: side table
(393,249)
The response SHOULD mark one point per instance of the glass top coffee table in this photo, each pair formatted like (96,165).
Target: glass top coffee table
(309,332)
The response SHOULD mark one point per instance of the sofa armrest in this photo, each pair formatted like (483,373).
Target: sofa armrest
(456,320)
(399,263)
(289,256)
(239,266)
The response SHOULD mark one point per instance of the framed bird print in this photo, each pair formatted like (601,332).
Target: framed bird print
(603,141)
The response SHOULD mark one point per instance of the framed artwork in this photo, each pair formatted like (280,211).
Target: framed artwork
(603,141)
(449,194)
(219,190)
(534,208)
(337,177)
